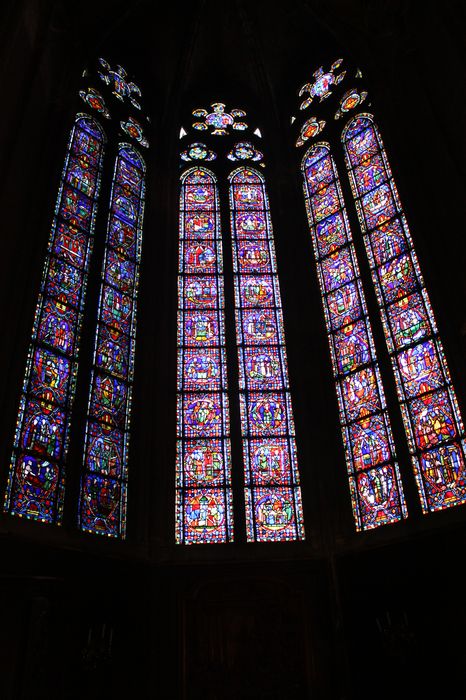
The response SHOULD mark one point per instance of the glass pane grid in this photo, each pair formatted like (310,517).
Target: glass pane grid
(37,472)
(203,475)
(375,485)
(430,412)
(273,499)
(102,509)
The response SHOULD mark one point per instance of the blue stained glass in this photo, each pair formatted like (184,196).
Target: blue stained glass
(273,500)
(387,241)
(352,347)
(50,376)
(102,507)
(259,327)
(397,278)
(70,244)
(337,269)
(37,472)
(375,485)
(203,479)
(105,450)
(63,279)
(431,416)
(331,233)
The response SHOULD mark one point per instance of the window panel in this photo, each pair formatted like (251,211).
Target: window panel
(429,407)
(273,496)
(102,508)
(375,485)
(203,473)
(37,472)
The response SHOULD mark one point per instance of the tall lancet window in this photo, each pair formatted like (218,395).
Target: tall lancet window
(428,402)
(261,414)
(204,499)
(103,488)
(37,473)
(273,497)
(375,485)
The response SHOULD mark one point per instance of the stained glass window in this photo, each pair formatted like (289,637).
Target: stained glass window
(428,402)
(219,121)
(322,85)
(273,497)
(37,473)
(204,506)
(376,491)
(103,488)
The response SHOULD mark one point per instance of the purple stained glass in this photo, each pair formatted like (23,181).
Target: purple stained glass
(105,450)
(337,269)
(387,241)
(352,347)
(408,320)
(259,327)
(201,329)
(261,368)
(376,493)
(420,368)
(63,279)
(325,201)
(199,257)
(102,507)
(368,442)
(344,305)
(253,256)
(275,513)
(251,224)
(331,233)
(70,244)
(378,497)
(112,351)
(202,369)
(50,376)
(36,479)
(256,291)
(361,395)
(378,206)
(206,515)
(431,416)
(444,475)
(269,461)
(397,278)
(203,501)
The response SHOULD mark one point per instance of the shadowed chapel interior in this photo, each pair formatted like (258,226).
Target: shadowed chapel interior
(337,613)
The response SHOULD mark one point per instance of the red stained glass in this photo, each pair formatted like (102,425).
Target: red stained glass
(36,478)
(429,407)
(377,495)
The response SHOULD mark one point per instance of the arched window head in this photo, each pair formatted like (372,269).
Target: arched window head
(273,496)
(429,406)
(105,476)
(375,486)
(37,472)
(203,473)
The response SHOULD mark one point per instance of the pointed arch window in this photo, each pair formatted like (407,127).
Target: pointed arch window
(266,434)
(273,496)
(104,481)
(429,406)
(36,480)
(375,485)
(203,474)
